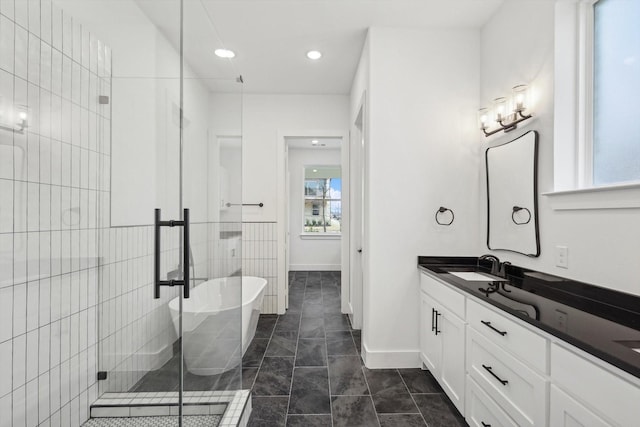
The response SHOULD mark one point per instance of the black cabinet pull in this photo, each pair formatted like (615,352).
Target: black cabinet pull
(485,424)
(433,315)
(489,325)
(185,260)
(490,370)
(438,331)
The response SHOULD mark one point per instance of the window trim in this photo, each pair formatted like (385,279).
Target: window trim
(573,116)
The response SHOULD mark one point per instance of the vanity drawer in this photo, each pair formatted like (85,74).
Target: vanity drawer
(520,391)
(482,410)
(599,389)
(445,295)
(525,344)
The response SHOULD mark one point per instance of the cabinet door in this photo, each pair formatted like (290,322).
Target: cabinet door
(430,343)
(567,412)
(452,367)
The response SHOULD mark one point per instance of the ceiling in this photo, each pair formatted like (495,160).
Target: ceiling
(271,37)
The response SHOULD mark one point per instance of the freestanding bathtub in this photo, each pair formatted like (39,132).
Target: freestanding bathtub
(217,313)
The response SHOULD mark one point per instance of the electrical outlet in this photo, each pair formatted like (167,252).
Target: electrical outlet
(562,257)
(561,320)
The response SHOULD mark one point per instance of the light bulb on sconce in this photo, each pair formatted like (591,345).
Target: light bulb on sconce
(500,106)
(22,123)
(483,118)
(520,95)
(507,112)
(13,117)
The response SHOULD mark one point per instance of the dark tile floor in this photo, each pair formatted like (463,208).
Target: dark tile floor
(304,369)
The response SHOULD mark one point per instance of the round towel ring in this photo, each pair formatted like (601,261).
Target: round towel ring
(442,210)
(518,209)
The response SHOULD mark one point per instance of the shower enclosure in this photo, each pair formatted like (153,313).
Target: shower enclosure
(113,110)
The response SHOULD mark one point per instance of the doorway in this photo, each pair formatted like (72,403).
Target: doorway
(314,219)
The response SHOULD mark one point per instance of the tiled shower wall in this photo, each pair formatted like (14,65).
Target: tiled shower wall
(52,195)
(75,293)
(135,332)
(259,258)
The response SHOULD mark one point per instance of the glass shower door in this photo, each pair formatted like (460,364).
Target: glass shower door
(139,333)
(180,341)
(212,191)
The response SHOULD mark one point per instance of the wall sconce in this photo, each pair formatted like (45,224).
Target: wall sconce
(507,113)
(13,118)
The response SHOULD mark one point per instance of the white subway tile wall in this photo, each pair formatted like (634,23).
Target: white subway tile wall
(75,293)
(260,258)
(53,204)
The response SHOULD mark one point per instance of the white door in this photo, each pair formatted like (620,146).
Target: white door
(357,171)
(287,210)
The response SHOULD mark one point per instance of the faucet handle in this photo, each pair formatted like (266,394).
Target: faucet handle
(489,257)
(503,269)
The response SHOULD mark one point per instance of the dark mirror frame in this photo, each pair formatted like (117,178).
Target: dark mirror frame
(535,195)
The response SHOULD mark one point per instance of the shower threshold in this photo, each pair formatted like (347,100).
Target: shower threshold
(200,408)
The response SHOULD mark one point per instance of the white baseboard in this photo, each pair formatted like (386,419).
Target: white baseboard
(314,267)
(391,359)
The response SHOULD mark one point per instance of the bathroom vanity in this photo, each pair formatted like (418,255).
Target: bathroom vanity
(529,349)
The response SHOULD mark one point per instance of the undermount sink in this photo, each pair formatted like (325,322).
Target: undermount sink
(473,276)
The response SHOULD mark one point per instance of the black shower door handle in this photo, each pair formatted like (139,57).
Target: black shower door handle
(184,223)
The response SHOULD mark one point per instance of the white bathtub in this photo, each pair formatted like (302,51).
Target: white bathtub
(213,322)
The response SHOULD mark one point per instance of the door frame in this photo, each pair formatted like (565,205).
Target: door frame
(357,260)
(283,209)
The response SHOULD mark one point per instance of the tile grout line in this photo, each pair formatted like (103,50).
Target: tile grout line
(362,367)
(412,399)
(295,356)
(326,349)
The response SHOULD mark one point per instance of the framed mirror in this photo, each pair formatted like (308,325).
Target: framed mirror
(512,196)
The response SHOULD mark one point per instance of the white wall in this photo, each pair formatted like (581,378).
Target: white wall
(423,153)
(603,244)
(266,116)
(317,253)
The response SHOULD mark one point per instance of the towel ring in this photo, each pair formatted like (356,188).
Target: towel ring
(518,209)
(441,210)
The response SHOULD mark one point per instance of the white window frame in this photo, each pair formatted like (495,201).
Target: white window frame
(318,235)
(573,117)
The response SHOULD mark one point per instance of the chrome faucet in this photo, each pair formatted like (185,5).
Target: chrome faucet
(495,263)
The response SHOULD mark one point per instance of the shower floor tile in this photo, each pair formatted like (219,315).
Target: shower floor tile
(189,421)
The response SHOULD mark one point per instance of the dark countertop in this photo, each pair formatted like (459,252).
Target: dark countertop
(602,322)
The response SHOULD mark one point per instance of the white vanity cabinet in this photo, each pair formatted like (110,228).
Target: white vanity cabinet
(442,337)
(502,371)
(567,412)
(589,392)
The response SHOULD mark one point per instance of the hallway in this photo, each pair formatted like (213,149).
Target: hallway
(304,369)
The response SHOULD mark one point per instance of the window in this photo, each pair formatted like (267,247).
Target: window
(616,92)
(322,199)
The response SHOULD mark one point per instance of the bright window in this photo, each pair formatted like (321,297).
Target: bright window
(322,199)
(616,92)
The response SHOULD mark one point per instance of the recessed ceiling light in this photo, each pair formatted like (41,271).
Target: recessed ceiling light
(225,53)
(315,170)
(314,54)
(314,142)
